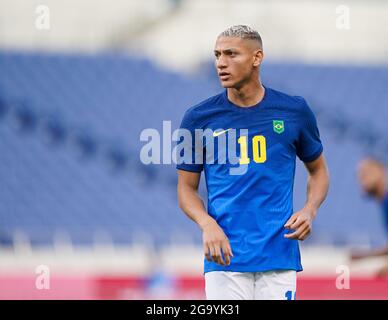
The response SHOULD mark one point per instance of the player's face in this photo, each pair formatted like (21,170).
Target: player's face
(236,61)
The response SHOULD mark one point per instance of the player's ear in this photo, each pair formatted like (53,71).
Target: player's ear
(258,58)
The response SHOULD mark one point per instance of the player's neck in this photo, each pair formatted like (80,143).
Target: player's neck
(248,95)
(380,191)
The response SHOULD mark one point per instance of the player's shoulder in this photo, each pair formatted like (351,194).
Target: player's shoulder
(287,101)
(199,113)
(206,105)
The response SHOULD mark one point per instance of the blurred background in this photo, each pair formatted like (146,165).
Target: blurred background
(82,218)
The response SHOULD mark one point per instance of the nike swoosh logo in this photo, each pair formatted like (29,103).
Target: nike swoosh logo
(218,133)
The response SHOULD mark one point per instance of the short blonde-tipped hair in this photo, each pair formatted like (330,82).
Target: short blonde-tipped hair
(242,31)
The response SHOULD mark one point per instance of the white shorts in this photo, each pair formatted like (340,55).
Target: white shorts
(271,285)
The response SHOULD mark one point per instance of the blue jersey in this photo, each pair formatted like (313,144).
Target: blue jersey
(385,211)
(253,207)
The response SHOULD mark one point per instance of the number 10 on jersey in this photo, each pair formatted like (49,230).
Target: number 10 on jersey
(259,147)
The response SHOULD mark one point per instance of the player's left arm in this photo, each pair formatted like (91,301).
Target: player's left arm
(317,188)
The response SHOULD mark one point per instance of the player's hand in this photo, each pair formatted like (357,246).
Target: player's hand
(358,255)
(301,222)
(216,243)
(383,272)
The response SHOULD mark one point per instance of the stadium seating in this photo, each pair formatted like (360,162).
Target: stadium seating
(69,146)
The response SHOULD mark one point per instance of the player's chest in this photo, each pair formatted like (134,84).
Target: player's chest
(274,129)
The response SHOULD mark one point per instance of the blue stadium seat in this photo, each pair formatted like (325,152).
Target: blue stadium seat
(69,145)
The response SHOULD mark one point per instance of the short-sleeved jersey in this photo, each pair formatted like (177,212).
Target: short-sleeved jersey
(252,204)
(385,211)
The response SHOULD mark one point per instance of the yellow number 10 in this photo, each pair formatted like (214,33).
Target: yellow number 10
(259,149)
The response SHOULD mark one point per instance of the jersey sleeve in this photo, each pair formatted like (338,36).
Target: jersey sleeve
(309,145)
(191,162)
(385,211)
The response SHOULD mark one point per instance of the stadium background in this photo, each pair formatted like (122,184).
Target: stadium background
(75,201)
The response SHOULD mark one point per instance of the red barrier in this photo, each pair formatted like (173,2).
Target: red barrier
(163,287)
(308,288)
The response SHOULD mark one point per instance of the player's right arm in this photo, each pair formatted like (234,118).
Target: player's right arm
(380,252)
(215,242)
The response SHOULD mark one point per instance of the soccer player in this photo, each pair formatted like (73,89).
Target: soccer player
(250,232)
(373,180)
